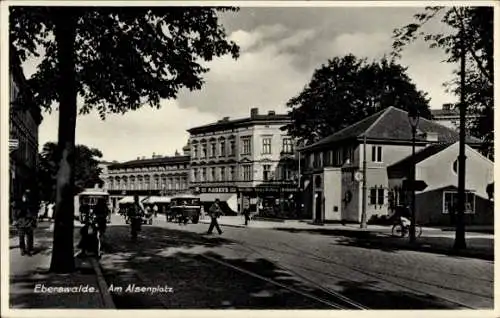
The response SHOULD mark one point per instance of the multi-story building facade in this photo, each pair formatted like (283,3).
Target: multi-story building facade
(250,157)
(148,177)
(336,165)
(25,118)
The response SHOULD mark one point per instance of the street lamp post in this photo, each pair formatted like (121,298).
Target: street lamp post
(413,118)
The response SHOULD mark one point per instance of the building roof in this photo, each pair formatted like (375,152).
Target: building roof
(227,123)
(406,163)
(390,124)
(151,162)
(444,112)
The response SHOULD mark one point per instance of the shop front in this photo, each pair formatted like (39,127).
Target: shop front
(272,201)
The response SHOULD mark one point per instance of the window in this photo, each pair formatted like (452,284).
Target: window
(450,202)
(222,174)
(246,148)
(195,151)
(266,176)
(195,175)
(377,196)
(266,146)
(232,148)
(338,158)
(455,166)
(212,174)
(318,160)
(157,183)
(232,173)
(373,196)
(287,145)
(204,151)
(204,174)
(212,150)
(348,154)
(380,197)
(247,173)
(376,153)
(222,151)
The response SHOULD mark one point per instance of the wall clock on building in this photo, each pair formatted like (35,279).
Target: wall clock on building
(358,176)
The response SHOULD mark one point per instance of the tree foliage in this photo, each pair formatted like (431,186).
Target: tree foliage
(126,57)
(477,24)
(115,59)
(87,169)
(346,90)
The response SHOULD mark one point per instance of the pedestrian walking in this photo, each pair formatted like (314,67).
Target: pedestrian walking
(246,213)
(155,210)
(215,212)
(25,220)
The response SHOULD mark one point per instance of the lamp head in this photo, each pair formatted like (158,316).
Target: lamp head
(413,118)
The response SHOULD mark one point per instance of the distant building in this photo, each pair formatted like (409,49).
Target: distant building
(154,176)
(25,118)
(334,171)
(449,116)
(250,158)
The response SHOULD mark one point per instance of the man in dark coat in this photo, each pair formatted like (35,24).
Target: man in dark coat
(215,211)
(25,220)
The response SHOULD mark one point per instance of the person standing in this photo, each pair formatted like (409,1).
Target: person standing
(246,213)
(135,215)
(155,210)
(25,221)
(215,211)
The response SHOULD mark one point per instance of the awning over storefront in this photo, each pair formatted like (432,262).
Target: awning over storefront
(156,199)
(229,199)
(130,199)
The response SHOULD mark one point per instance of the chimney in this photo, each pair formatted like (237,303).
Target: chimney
(254,112)
(225,119)
(432,136)
(138,158)
(271,113)
(177,153)
(154,155)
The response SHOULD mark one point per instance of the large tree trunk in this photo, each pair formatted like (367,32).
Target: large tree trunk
(62,253)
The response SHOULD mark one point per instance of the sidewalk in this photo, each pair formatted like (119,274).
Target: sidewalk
(433,240)
(29,276)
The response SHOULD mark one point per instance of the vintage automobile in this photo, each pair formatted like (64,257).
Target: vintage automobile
(87,201)
(186,207)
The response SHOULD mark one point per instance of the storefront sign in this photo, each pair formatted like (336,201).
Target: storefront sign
(218,189)
(268,189)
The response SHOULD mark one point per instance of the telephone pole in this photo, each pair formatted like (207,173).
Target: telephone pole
(460,225)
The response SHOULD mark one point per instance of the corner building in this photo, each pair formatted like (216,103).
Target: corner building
(251,158)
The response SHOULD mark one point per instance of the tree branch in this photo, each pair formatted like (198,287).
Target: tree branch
(480,65)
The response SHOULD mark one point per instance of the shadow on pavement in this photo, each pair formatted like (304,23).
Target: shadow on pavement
(435,245)
(176,258)
(372,297)
(481,248)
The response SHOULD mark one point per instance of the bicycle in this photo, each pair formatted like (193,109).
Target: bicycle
(398,230)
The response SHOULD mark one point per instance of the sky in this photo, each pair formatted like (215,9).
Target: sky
(280,49)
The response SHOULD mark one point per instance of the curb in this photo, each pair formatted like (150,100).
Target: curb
(103,286)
